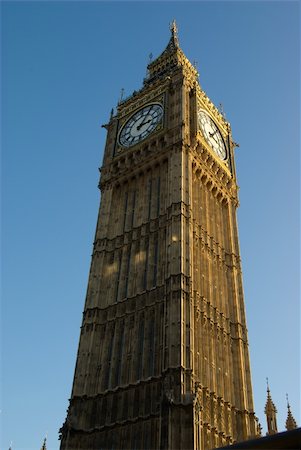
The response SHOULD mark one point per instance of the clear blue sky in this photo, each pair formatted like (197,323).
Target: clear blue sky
(63,66)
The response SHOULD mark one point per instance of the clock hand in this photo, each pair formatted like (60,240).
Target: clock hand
(212,134)
(143,123)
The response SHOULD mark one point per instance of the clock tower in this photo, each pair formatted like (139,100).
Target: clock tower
(163,359)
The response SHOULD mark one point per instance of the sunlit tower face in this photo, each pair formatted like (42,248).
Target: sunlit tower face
(163,355)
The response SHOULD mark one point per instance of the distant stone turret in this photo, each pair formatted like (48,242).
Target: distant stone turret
(271,413)
(290,423)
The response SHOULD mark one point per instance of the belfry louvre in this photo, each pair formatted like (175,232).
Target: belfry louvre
(163,359)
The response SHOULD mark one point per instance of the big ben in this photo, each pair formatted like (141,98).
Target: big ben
(163,360)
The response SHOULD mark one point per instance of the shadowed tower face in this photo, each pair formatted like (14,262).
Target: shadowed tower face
(163,355)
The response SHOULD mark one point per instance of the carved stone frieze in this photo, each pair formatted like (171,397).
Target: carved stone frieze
(131,162)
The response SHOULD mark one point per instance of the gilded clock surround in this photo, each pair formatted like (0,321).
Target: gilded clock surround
(129,110)
(163,355)
(141,124)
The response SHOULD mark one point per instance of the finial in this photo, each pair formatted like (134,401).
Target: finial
(259,429)
(174,41)
(44,444)
(221,110)
(268,388)
(150,59)
(173,28)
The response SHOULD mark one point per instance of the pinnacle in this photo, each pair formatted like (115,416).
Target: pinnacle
(290,423)
(44,445)
(173,43)
(270,405)
(170,58)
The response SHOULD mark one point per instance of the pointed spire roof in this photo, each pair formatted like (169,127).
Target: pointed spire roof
(270,405)
(290,423)
(173,43)
(271,413)
(171,58)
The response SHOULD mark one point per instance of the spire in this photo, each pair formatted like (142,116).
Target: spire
(271,412)
(290,423)
(174,41)
(170,59)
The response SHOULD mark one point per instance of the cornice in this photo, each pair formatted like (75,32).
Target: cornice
(131,162)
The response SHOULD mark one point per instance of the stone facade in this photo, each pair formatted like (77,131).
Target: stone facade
(163,357)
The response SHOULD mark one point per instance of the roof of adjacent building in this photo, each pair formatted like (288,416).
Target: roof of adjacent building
(288,440)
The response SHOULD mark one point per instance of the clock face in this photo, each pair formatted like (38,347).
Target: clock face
(140,125)
(212,134)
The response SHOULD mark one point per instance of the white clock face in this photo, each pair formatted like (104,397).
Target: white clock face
(212,134)
(140,125)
